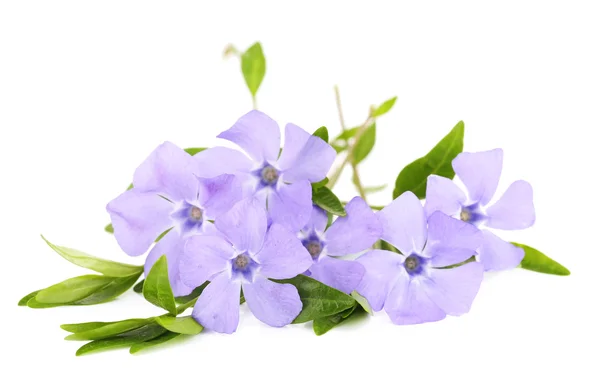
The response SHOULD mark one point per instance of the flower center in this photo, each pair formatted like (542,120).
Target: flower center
(241,262)
(314,248)
(412,264)
(195,213)
(269,175)
(473,214)
(465,215)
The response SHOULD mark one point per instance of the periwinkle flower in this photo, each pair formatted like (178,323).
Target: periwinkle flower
(280,182)
(480,173)
(244,256)
(416,285)
(167,195)
(348,235)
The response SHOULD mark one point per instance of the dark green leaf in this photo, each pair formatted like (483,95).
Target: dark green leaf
(364,144)
(438,161)
(253,67)
(326,200)
(161,339)
(535,260)
(182,325)
(139,287)
(106,267)
(81,327)
(323,325)
(142,334)
(321,183)
(384,108)
(193,296)
(27,298)
(322,133)
(157,289)
(193,151)
(109,329)
(362,301)
(109,228)
(114,288)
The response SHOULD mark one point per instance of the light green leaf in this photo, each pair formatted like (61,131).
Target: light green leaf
(81,327)
(374,189)
(106,267)
(157,289)
(161,339)
(72,290)
(362,301)
(364,144)
(253,67)
(114,288)
(24,300)
(109,229)
(322,133)
(535,260)
(194,150)
(109,329)
(182,325)
(326,200)
(438,161)
(347,134)
(384,108)
(321,183)
(142,334)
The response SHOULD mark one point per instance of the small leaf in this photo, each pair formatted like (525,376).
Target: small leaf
(364,144)
(322,133)
(106,267)
(142,334)
(182,325)
(109,229)
(321,183)
(535,260)
(253,67)
(323,325)
(193,296)
(374,189)
(384,108)
(326,200)
(27,298)
(194,151)
(347,134)
(438,161)
(72,290)
(362,301)
(161,339)
(81,327)
(139,287)
(157,289)
(109,329)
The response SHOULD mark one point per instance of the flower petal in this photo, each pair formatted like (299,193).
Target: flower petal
(218,195)
(317,221)
(480,172)
(215,161)
(354,233)
(273,303)
(282,256)
(450,241)
(382,268)
(408,304)
(245,225)
(443,195)
(138,219)
(203,257)
(304,156)
(170,171)
(344,275)
(514,210)
(453,290)
(496,254)
(404,223)
(291,204)
(257,134)
(218,307)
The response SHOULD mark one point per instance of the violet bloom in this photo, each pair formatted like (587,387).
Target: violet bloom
(348,235)
(480,173)
(168,195)
(245,256)
(280,182)
(413,286)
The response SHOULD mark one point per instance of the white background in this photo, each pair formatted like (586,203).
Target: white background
(88,89)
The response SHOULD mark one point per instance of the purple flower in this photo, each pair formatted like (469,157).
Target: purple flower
(168,195)
(347,235)
(480,173)
(280,182)
(413,286)
(245,256)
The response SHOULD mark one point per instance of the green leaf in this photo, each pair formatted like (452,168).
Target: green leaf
(384,108)
(535,260)
(321,183)
(182,325)
(193,151)
(318,300)
(193,296)
(139,287)
(109,229)
(374,189)
(81,327)
(109,329)
(27,298)
(72,290)
(347,134)
(326,200)
(142,334)
(114,288)
(253,67)
(339,146)
(364,144)
(322,133)
(438,161)
(161,339)
(362,301)
(157,289)
(106,267)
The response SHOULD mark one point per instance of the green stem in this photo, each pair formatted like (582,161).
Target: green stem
(358,183)
(254,105)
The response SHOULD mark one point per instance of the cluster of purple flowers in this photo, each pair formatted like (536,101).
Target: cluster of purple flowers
(241,218)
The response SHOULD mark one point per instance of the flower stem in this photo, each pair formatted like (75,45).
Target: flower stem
(357,182)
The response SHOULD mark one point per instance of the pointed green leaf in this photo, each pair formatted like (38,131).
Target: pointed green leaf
(114,288)
(193,296)
(142,334)
(320,183)
(157,289)
(72,290)
(182,325)
(323,325)
(161,339)
(322,133)
(109,229)
(253,67)
(27,298)
(139,287)
(384,108)
(193,151)
(110,329)
(362,301)
(81,327)
(535,260)
(364,144)
(347,134)
(326,200)
(438,161)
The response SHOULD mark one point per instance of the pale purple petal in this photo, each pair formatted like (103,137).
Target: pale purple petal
(404,223)
(245,225)
(218,307)
(514,210)
(496,254)
(317,222)
(291,204)
(257,134)
(203,257)
(273,303)
(304,156)
(344,275)
(382,268)
(170,171)
(355,232)
(171,245)
(480,172)
(138,219)
(408,304)
(453,290)
(216,161)
(217,195)
(450,241)
(443,195)
(282,256)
